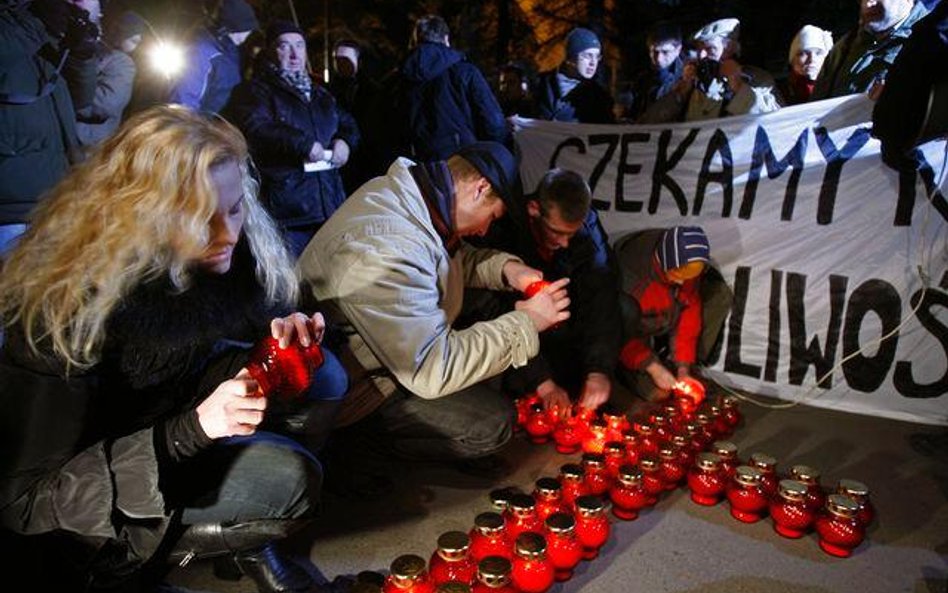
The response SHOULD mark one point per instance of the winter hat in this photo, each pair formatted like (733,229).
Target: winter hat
(126,26)
(278,28)
(681,245)
(237,16)
(497,165)
(729,28)
(579,40)
(810,37)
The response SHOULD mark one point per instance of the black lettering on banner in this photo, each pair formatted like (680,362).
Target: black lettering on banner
(907,182)
(764,155)
(732,360)
(624,168)
(664,164)
(773,327)
(801,355)
(610,140)
(571,142)
(835,159)
(902,378)
(866,373)
(718,144)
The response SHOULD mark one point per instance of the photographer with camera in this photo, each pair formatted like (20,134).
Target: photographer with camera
(716,84)
(42,43)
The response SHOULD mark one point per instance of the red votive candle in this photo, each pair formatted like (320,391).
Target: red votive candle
(452,559)
(548,494)
(748,500)
(652,480)
(489,538)
(494,576)
(573,483)
(788,510)
(563,548)
(860,493)
(706,480)
(521,515)
(408,574)
(669,466)
(595,474)
(768,470)
(838,527)
(592,525)
(628,496)
(283,373)
(532,570)
(815,497)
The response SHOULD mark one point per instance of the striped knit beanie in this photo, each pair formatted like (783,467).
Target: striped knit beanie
(682,245)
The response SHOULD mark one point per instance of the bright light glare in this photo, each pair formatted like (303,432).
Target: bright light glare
(167,58)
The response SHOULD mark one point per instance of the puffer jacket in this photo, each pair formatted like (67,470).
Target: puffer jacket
(381,262)
(281,126)
(213,69)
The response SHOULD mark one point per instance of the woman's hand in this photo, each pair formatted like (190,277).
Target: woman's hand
(233,408)
(308,330)
(340,152)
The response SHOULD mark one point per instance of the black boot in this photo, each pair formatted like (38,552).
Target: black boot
(209,540)
(273,572)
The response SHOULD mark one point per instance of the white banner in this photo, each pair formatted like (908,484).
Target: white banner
(827,249)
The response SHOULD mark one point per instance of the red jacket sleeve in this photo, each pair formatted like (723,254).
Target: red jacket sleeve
(684,339)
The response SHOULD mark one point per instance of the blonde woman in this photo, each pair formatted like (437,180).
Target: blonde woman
(128,308)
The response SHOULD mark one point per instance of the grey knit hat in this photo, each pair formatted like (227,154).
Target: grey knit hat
(579,40)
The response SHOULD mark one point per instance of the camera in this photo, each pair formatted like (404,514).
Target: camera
(708,79)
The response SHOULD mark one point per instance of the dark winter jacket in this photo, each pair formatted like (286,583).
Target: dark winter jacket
(587,103)
(281,126)
(590,264)
(444,103)
(653,84)
(37,119)
(213,69)
(83,453)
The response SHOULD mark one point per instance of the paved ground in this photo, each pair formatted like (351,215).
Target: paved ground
(678,546)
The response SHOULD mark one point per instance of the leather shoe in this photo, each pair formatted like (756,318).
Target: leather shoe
(273,572)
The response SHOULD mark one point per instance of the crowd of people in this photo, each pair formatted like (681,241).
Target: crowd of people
(145,252)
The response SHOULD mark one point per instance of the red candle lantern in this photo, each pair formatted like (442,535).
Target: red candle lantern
(524,405)
(569,434)
(592,525)
(652,480)
(719,424)
(648,442)
(548,494)
(452,559)
(686,456)
(494,576)
(573,483)
(815,497)
(628,496)
(500,497)
(534,288)
(616,424)
(452,587)
(488,537)
(521,516)
(688,394)
(748,500)
(540,423)
(670,468)
(660,427)
(696,441)
(595,474)
(705,434)
(731,411)
(532,570)
(838,527)
(860,493)
(673,415)
(407,574)
(563,548)
(768,470)
(615,456)
(283,373)
(595,436)
(631,442)
(788,510)
(727,451)
(706,480)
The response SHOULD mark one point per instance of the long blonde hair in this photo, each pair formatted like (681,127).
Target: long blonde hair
(139,208)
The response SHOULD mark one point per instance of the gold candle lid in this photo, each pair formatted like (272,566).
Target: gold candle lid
(548,486)
(842,505)
(691,428)
(453,587)
(644,428)
(852,488)
(530,545)
(629,438)
(763,461)
(670,410)
(648,463)
(489,523)
(522,503)
(805,473)
(703,418)
(792,490)
(708,461)
(500,497)
(746,475)
(630,475)
(614,448)
(667,451)
(614,418)
(598,425)
(453,544)
(572,470)
(679,440)
(729,401)
(658,419)
(408,567)
(560,523)
(494,571)
(590,504)
(594,460)
(726,449)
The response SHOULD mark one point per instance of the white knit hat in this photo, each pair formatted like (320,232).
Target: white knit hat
(810,37)
(730,28)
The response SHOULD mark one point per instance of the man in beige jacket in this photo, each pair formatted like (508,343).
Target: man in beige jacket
(393,262)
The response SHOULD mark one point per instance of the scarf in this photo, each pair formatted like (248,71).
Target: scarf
(299,81)
(437,188)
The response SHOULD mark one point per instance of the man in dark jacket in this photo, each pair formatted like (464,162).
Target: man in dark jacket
(297,133)
(442,99)
(556,232)
(571,93)
(213,61)
(664,51)
(37,109)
